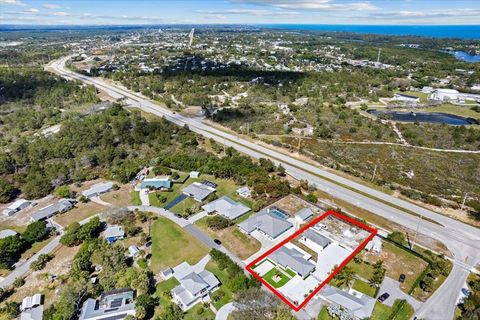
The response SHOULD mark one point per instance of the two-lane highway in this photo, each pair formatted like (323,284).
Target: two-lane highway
(461,239)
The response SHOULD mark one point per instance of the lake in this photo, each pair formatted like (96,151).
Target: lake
(431,117)
(461,55)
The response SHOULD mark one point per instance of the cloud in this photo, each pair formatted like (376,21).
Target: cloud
(29,11)
(60,14)
(13,2)
(315,5)
(51,6)
(450,13)
(253,12)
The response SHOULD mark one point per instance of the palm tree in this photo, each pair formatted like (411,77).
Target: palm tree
(344,277)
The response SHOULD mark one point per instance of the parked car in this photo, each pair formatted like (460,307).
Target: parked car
(402,278)
(217,241)
(383,297)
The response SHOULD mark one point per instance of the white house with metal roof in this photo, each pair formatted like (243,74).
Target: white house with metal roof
(303,215)
(194,288)
(98,189)
(16,206)
(268,222)
(359,304)
(114,233)
(198,191)
(226,207)
(32,308)
(314,240)
(49,211)
(112,305)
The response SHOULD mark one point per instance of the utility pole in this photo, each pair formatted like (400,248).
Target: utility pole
(224,148)
(374,171)
(463,202)
(416,232)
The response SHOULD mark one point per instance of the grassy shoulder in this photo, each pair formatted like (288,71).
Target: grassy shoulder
(172,245)
(223,295)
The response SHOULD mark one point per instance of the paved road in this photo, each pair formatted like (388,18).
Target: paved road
(393,288)
(461,239)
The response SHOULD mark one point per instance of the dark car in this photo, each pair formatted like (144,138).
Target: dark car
(217,241)
(383,297)
(402,278)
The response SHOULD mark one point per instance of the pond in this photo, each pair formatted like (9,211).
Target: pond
(464,56)
(433,117)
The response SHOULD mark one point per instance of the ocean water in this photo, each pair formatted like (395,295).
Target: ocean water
(437,31)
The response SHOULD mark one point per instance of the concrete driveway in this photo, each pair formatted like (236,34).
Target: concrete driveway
(393,288)
(223,312)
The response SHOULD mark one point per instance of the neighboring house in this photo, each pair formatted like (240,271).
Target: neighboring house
(406,98)
(244,192)
(114,233)
(270,221)
(294,260)
(303,215)
(98,189)
(32,308)
(7,233)
(112,305)
(51,210)
(16,207)
(157,184)
(359,304)
(194,174)
(134,251)
(374,245)
(198,191)
(226,207)
(315,240)
(194,288)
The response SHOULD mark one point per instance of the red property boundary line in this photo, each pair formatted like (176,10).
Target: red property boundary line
(372,231)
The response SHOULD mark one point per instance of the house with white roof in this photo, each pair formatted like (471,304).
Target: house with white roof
(32,308)
(98,189)
(49,211)
(7,233)
(303,215)
(359,304)
(406,98)
(198,191)
(114,233)
(16,206)
(133,251)
(244,192)
(112,305)
(226,207)
(374,245)
(194,288)
(314,240)
(270,222)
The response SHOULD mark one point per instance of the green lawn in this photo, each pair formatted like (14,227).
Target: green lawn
(324,315)
(199,312)
(423,96)
(362,269)
(405,313)
(172,245)
(290,272)
(364,287)
(276,284)
(223,295)
(380,311)
(135,198)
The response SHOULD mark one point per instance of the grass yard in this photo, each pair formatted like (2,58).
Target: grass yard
(364,287)
(423,96)
(135,198)
(276,284)
(80,212)
(170,195)
(463,111)
(405,313)
(165,286)
(120,197)
(199,312)
(363,269)
(380,311)
(242,245)
(172,245)
(223,295)
(324,315)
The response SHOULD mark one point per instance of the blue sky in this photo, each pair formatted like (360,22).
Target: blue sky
(101,12)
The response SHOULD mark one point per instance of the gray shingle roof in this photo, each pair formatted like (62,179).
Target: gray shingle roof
(226,207)
(304,213)
(48,211)
(193,283)
(198,191)
(293,259)
(267,222)
(98,189)
(317,238)
(361,307)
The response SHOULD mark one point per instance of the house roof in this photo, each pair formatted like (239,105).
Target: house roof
(361,305)
(304,213)
(7,233)
(17,204)
(198,190)
(114,232)
(98,188)
(32,314)
(226,207)
(317,238)
(293,259)
(156,183)
(113,305)
(52,209)
(193,283)
(407,96)
(267,222)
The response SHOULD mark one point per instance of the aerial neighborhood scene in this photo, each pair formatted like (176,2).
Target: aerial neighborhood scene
(239,160)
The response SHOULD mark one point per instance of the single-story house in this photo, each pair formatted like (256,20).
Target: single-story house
(7,233)
(98,189)
(359,304)
(114,233)
(303,215)
(194,174)
(406,98)
(268,222)
(198,191)
(374,245)
(292,259)
(16,206)
(156,183)
(226,207)
(115,304)
(49,211)
(167,273)
(314,240)
(134,251)
(32,308)
(244,192)
(194,288)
